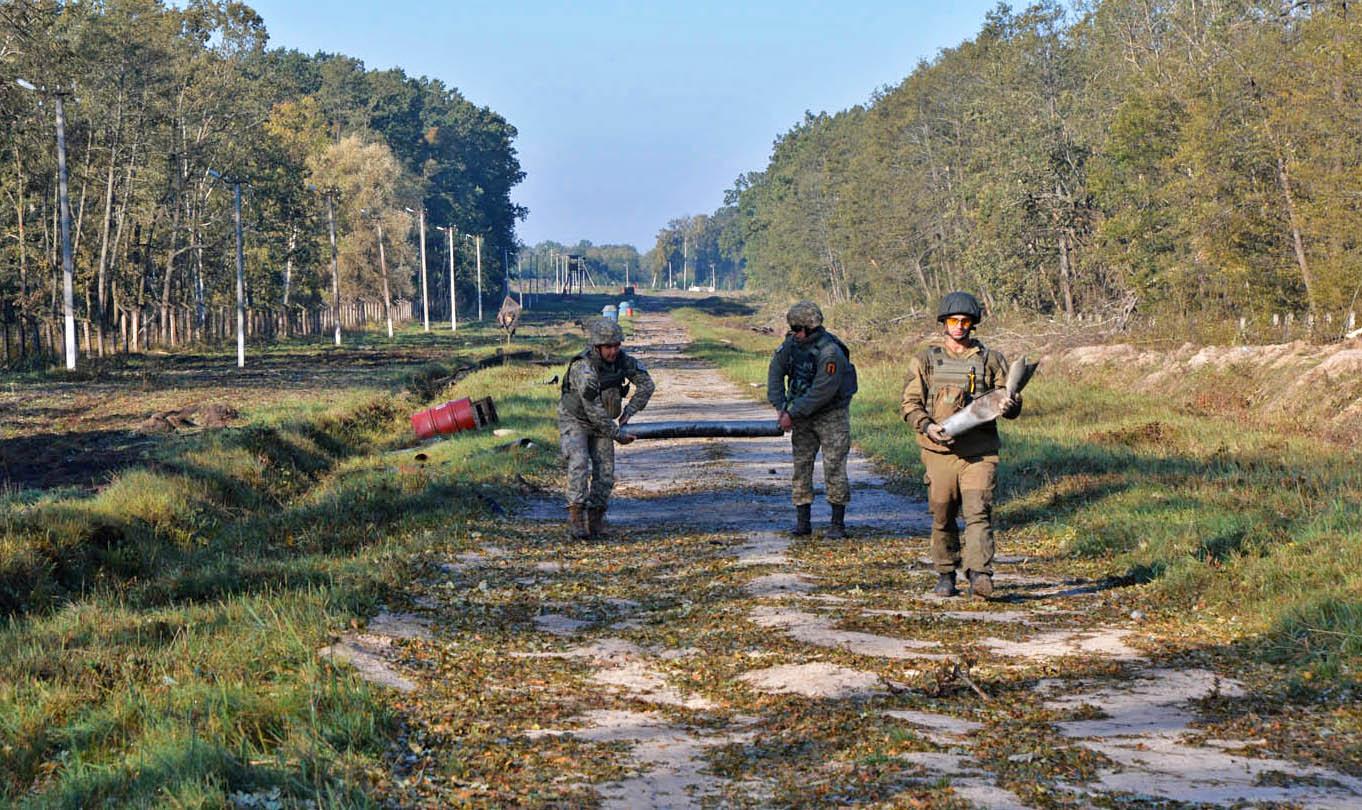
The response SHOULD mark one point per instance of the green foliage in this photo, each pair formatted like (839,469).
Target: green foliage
(1129,157)
(161,94)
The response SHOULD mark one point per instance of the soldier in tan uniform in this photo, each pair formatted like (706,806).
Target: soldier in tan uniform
(943,377)
(810,382)
(594,387)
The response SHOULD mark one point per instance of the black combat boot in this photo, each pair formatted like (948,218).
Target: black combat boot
(945,584)
(803,526)
(838,528)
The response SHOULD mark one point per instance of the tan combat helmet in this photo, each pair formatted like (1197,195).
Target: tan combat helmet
(805,314)
(602,331)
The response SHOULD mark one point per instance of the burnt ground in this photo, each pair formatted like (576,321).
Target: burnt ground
(78,433)
(61,432)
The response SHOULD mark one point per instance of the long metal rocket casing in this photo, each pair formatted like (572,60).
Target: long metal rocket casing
(715,429)
(981,411)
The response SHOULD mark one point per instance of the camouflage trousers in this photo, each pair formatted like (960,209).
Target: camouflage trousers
(590,461)
(829,431)
(961,486)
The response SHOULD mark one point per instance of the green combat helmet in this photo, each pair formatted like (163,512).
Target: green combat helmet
(959,303)
(805,314)
(602,331)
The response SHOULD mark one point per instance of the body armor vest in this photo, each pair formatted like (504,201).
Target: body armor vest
(608,375)
(803,364)
(965,374)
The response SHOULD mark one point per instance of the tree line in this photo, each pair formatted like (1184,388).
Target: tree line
(698,250)
(1193,157)
(162,104)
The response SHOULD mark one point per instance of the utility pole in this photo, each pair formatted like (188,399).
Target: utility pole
(425,296)
(335,262)
(478,241)
(685,258)
(453,295)
(68,268)
(240,280)
(383,268)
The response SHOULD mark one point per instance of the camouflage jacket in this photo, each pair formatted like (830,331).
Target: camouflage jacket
(804,379)
(590,383)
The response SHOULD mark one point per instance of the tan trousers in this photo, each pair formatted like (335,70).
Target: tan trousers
(961,486)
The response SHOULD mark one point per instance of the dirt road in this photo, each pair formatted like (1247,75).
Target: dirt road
(722,484)
(699,657)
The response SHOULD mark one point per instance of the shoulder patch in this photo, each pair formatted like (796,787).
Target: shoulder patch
(831,367)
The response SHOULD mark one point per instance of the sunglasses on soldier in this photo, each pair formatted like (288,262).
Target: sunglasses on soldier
(959,320)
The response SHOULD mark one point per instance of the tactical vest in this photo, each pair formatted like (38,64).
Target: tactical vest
(802,366)
(963,373)
(608,375)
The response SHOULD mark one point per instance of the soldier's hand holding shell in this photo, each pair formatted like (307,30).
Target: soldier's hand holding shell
(938,434)
(1012,406)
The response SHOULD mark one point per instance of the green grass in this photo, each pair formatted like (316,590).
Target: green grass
(160,646)
(1228,520)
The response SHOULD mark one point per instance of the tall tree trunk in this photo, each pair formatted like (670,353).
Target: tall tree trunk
(387,297)
(1297,243)
(84,187)
(23,246)
(118,229)
(922,279)
(148,264)
(101,275)
(288,261)
(171,252)
(1066,289)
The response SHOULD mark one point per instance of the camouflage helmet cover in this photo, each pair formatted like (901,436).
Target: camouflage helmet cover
(601,331)
(805,314)
(959,303)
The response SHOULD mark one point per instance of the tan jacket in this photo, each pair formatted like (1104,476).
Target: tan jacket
(921,405)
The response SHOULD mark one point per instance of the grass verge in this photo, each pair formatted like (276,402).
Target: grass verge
(160,635)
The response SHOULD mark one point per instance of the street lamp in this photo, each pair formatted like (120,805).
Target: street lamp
(64,205)
(425,299)
(235,183)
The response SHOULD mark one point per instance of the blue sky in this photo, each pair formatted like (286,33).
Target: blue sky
(631,114)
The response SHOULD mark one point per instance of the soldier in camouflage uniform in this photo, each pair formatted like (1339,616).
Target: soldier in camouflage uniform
(943,377)
(593,391)
(810,382)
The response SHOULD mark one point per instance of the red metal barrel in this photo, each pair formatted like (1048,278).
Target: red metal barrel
(450,417)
